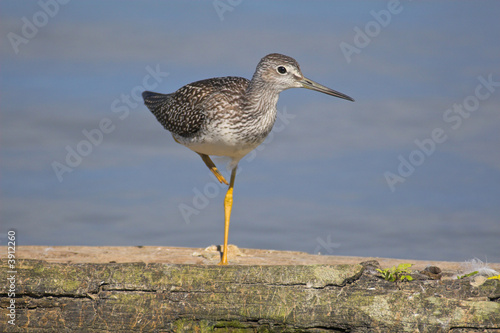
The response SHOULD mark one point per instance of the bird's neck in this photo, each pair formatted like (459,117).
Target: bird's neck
(261,99)
(260,108)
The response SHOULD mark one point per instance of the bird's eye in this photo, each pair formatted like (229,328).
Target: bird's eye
(281,70)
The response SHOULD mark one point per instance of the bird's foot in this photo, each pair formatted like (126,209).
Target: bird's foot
(219,176)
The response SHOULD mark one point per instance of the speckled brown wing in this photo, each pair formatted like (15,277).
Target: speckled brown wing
(184,112)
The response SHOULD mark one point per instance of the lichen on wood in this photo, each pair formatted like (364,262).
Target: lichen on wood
(156,297)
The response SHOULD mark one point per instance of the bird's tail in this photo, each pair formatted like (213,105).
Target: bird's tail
(155,101)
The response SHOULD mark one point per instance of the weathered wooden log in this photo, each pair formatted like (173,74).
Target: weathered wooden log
(160,297)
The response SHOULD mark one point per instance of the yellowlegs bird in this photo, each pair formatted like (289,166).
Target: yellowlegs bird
(229,116)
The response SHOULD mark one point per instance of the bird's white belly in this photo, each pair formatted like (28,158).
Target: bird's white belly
(217,149)
(222,137)
(219,145)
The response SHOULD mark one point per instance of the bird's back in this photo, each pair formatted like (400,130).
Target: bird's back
(186,111)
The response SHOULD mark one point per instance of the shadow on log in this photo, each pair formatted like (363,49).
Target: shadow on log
(158,297)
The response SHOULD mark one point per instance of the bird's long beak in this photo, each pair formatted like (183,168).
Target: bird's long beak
(310,84)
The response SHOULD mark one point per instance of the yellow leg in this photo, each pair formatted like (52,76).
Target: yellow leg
(228,204)
(213,168)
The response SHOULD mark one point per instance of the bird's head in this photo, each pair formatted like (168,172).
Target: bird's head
(281,72)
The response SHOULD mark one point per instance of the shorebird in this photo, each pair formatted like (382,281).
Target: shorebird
(229,116)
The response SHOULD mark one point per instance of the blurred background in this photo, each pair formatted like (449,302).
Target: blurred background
(410,170)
